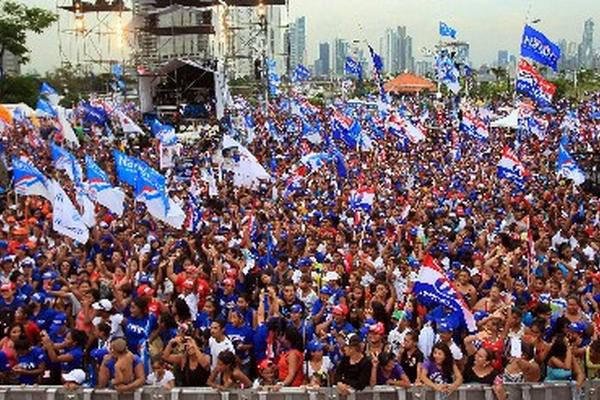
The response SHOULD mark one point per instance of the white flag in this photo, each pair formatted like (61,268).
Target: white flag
(65,217)
(67,129)
(127,123)
(89,209)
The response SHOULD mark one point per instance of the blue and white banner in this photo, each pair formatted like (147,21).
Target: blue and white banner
(352,67)
(301,73)
(567,167)
(65,217)
(101,190)
(539,48)
(447,30)
(29,181)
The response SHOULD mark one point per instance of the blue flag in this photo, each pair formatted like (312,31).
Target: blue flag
(353,67)
(127,168)
(447,30)
(45,109)
(539,48)
(47,90)
(566,166)
(301,73)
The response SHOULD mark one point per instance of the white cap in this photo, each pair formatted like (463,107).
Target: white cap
(104,305)
(332,276)
(77,376)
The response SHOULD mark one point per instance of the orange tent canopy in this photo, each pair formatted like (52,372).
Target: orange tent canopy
(408,83)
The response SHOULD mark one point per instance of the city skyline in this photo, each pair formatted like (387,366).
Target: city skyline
(356,20)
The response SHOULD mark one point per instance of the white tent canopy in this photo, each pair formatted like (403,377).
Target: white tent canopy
(511,121)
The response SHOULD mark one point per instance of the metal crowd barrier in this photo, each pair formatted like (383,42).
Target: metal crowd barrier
(541,391)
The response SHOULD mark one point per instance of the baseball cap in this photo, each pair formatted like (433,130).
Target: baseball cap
(315,345)
(444,327)
(353,340)
(264,364)
(332,276)
(49,275)
(145,290)
(103,305)
(378,328)
(296,308)
(7,286)
(38,297)
(77,376)
(340,309)
(327,290)
(60,319)
(398,315)
(577,327)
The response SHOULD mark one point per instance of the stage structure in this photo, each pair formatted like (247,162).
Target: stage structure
(93,35)
(225,39)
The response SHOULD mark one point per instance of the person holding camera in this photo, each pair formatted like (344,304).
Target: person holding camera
(192,366)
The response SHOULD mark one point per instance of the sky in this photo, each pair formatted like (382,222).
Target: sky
(488,25)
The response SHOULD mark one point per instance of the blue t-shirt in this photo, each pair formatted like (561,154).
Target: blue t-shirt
(30,361)
(240,336)
(12,306)
(77,363)
(203,321)
(137,332)
(44,318)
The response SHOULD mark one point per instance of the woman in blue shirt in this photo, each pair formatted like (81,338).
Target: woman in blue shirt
(138,328)
(69,353)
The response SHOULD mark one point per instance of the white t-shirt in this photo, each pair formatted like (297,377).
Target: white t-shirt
(326,366)
(457,353)
(153,379)
(216,348)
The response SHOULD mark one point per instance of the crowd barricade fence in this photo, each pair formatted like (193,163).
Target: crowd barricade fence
(532,391)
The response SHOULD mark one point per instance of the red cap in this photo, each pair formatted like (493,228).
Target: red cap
(228,282)
(7,286)
(144,291)
(264,364)
(378,328)
(340,309)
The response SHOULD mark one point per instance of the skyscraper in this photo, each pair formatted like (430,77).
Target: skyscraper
(396,50)
(340,52)
(297,43)
(503,58)
(322,65)
(586,48)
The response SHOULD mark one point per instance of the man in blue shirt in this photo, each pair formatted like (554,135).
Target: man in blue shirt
(31,362)
(240,335)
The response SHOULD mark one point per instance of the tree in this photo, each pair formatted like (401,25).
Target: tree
(20,88)
(16,20)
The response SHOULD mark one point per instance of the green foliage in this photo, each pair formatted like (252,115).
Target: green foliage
(16,20)
(21,88)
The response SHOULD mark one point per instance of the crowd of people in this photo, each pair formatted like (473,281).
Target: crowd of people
(286,284)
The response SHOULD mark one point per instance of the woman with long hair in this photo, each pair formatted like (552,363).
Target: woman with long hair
(411,357)
(227,374)
(561,365)
(192,365)
(440,372)
(291,360)
(480,369)
(7,344)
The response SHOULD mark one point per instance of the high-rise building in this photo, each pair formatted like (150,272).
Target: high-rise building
(503,58)
(322,64)
(297,43)
(586,48)
(340,52)
(9,64)
(396,50)
(424,68)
